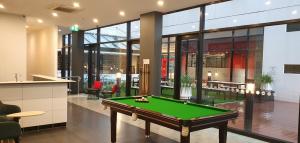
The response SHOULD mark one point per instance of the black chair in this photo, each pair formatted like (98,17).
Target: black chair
(9,128)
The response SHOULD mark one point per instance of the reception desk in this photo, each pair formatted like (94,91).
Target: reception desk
(44,93)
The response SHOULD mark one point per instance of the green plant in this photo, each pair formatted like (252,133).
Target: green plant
(264,79)
(186,81)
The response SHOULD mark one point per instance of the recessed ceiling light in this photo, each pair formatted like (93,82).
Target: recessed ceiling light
(95,20)
(122,13)
(76,4)
(294,12)
(268,2)
(234,21)
(2,6)
(40,21)
(26,26)
(54,14)
(160,3)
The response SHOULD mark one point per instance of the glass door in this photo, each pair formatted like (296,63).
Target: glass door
(188,68)
(89,66)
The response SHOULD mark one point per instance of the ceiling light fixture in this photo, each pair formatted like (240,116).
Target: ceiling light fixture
(122,13)
(40,21)
(160,3)
(2,6)
(54,14)
(76,4)
(95,20)
(294,12)
(26,26)
(268,2)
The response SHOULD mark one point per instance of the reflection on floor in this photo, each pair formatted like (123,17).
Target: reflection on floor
(207,136)
(276,119)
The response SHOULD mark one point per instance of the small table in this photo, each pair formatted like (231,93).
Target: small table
(25,114)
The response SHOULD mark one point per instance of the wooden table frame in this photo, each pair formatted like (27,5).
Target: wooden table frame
(187,126)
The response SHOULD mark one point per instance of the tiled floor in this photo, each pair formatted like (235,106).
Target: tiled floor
(87,126)
(207,136)
(276,119)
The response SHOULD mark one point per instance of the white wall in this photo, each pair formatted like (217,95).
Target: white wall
(281,47)
(12,47)
(42,48)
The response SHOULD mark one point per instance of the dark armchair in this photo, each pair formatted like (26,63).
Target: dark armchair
(9,129)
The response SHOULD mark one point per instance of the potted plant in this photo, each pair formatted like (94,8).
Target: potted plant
(265,81)
(186,87)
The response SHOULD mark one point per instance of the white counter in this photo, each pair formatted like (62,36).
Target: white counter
(43,94)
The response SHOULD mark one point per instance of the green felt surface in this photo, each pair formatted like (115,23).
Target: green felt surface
(173,108)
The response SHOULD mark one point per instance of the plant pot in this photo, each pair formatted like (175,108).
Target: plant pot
(268,87)
(186,92)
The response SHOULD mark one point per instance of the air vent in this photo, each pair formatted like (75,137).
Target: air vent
(65,9)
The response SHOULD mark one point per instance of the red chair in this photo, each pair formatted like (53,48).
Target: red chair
(96,89)
(97,85)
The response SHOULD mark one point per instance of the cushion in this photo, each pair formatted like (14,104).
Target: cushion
(97,85)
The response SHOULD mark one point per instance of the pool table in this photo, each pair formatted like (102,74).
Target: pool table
(178,115)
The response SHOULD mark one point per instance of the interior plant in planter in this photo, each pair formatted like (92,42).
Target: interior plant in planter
(265,81)
(186,87)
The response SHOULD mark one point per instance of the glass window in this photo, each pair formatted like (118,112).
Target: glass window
(113,67)
(135,29)
(167,66)
(135,75)
(189,22)
(217,55)
(90,36)
(114,33)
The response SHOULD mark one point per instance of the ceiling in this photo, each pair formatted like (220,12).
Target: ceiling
(106,11)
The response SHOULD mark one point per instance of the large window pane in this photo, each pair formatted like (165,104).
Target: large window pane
(217,56)
(114,33)
(135,29)
(135,75)
(188,68)
(189,21)
(113,61)
(167,66)
(90,36)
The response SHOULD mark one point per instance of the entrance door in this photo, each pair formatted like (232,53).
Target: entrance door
(90,65)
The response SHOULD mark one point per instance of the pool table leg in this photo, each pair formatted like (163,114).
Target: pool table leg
(223,133)
(113,125)
(186,137)
(147,129)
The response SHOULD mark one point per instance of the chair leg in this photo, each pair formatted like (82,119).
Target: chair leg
(17,140)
